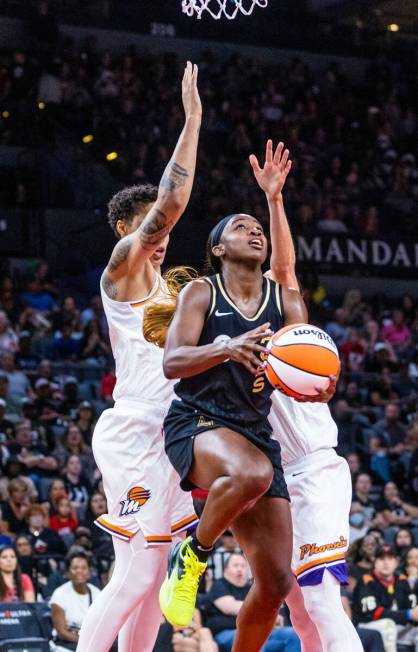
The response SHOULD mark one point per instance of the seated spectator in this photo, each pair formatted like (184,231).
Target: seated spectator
(19,385)
(95,311)
(55,492)
(404,540)
(26,359)
(394,509)
(45,542)
(63,522)
(388,442)
(67,343)
(397,332)
(224,602)
(14,510)
(69,405)
(107,385)
(15,586)
(93,347)
(77,486)
(101,541)
(363,513)
(193,638)
(33,455)
(24,553)
(337,328)
(70,602)
(68,315)
(15,469)
(73,444)
(361,558)
(8,337)
(7,429)
(227,545)
(386,603)
(12,408)
(85,421)
(37,297)
(411,568)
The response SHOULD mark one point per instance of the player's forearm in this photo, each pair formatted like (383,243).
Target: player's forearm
(186,361)
(283,256)
(177,181)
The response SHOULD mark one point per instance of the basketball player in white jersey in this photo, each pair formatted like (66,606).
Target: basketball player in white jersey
(146,506)
(318,479)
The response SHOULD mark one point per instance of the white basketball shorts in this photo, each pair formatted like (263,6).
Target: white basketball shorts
(142,488)
(319,485)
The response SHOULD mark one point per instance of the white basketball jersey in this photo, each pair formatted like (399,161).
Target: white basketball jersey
(301,428)
(139,364)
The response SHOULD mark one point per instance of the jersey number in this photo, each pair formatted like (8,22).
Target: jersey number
(368,603)
(260,382)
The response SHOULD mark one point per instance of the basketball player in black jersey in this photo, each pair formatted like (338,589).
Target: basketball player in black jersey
(217,434)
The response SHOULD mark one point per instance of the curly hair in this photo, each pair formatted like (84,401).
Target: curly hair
(129,202)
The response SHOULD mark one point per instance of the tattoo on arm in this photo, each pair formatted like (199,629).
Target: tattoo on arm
(109,287)
(120,253)
(154,228)
(174,177)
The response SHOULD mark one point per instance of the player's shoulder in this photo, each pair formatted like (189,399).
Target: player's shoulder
(196,292)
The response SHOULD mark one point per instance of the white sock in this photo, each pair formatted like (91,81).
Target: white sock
(301,621)
(133,583)
(323,603)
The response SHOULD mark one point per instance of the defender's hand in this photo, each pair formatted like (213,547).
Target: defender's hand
(323,396)
(244,348)
(272,177)
(191,99)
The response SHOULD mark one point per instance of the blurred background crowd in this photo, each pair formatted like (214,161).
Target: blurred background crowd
(354,147)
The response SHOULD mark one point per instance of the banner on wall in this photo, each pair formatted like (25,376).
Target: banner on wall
(345,254)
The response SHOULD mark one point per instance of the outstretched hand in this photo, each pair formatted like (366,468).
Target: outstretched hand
(272,177)
(190,93)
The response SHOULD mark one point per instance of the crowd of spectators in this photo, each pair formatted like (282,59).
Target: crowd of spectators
(353,143)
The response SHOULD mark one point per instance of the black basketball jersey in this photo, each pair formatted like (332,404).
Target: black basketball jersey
(229,390)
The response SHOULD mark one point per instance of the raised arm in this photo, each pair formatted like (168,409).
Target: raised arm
(271,178)
(173,192)
(183,358)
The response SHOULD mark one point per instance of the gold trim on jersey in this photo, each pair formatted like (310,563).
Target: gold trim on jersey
(279,298)
(231,303)
(213,304)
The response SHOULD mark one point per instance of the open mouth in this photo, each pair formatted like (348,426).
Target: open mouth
(256,243)
(158,253)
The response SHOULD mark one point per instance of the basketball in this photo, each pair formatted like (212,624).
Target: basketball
(301,358)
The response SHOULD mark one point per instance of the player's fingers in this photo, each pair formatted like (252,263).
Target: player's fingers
(255,164)
(284,159)
(278,153)
(288,167)
(257,347)
(269,151)
(262,328)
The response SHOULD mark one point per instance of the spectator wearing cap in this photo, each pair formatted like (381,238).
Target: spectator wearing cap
(26,359)
(85,421)
(69,405)
(15,586)
(225,601)
(46,406)
(31,452)
(385,602)
(70,602)
(19,385)
(7,428)
(8,337)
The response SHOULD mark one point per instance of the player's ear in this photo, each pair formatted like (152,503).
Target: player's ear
(218,250)
(121,228)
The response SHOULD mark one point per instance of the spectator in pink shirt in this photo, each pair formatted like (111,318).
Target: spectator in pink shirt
(397,333)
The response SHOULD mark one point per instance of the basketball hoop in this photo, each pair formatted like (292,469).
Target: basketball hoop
(218,8)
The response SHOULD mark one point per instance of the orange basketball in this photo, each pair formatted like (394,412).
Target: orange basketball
(301,358)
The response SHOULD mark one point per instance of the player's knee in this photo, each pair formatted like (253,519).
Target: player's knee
(277,584)
(254,480)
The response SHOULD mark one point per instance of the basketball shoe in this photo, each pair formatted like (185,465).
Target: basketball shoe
(179,590)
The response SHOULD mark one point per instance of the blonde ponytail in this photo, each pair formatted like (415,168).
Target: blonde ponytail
(159,314)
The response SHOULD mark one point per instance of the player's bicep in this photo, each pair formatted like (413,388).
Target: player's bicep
(287,278)
(189,317)
(295,311)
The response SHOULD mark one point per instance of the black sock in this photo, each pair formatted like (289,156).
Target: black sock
(200,551)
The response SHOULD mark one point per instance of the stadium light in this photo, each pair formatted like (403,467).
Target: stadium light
(41,106)
(5,115)
(112,156)
(88,138)
(393,27)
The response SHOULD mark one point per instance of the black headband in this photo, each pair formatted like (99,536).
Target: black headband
(216,233)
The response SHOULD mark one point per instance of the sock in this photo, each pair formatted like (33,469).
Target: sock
(200,551)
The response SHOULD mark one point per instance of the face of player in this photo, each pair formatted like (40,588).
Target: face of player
(243,240)
(236,570)
(158,256)
(385,566)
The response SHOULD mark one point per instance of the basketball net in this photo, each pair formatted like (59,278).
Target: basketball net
(218,8)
